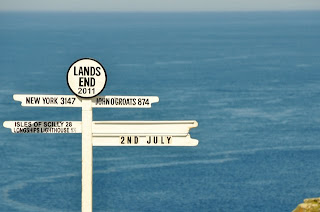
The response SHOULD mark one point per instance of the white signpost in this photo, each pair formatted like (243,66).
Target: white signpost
(86,79)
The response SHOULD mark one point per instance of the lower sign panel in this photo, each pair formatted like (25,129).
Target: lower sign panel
(43,126)
(144,140)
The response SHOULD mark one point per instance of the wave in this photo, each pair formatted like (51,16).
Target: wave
(5,193)
(240,57)
(19,185)
(303,65)
(256,113)
(177,62)
(160,165)
(138,156)
(129,64)
(255,150)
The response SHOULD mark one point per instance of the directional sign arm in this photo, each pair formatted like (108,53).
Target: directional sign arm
(124,101)
(143,133)
(143,127)
(141,140)
(34,100)
(43,126)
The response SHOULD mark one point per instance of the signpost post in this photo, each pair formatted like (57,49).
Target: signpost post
(86,195)
(86,79)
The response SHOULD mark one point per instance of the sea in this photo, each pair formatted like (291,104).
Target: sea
(250,79)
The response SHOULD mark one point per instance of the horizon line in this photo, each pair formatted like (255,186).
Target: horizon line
(156,11)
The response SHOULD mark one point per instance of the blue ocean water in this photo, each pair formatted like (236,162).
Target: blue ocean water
(251,80)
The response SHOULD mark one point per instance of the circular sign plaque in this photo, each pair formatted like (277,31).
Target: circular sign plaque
(86,78)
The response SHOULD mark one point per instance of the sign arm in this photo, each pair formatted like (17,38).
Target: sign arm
(18,97)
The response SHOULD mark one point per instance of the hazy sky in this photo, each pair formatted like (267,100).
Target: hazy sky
(157,5)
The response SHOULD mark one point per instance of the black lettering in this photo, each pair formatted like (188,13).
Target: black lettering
(169,138)
(92,71)
(93,82)
(86,82)
(45,100)
(86,71)
(80,71)
(98,71)
(32,100)
(122,139)
(75,71)
(81,79)
(36,100)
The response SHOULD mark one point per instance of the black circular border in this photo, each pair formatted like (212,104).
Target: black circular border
(86,58)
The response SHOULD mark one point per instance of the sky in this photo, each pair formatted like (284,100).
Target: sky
(158,5)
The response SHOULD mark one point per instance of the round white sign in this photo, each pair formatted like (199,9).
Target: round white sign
(86,78)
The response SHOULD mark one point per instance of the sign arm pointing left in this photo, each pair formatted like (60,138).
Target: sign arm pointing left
(41,100)
(43,126)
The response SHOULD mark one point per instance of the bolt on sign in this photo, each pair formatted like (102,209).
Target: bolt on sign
(87,78)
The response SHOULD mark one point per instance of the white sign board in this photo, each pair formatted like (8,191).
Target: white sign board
(86,78)
(140,140)
(34,100)
(180,128)
(124,101)
(43,126)
(143,133)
